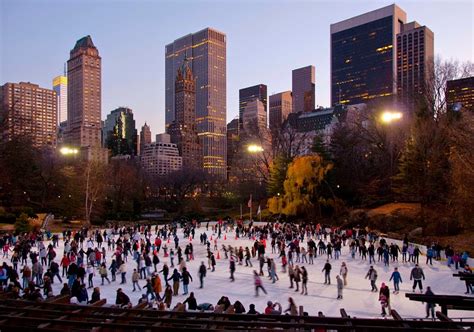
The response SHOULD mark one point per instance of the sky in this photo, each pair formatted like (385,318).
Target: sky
(265,41)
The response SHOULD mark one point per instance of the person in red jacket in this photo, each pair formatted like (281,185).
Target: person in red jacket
(65,264)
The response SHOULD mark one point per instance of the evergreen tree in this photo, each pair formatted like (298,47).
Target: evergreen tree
(22,225)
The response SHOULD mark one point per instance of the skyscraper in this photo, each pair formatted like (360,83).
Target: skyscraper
(60,87)
(206,52)
(363,56)
(28,111)
(84,95)
(415,62)
(254,117)
(161,157)
(303,89)
(280,106)
(120,133)
(183,129)
(145,136)
(233,139)
(249,94)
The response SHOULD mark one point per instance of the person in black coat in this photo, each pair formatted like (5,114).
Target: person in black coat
(191,301)
(202,274)
(95,295)
(185,276)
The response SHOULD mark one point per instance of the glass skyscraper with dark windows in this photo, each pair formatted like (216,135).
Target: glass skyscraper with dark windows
(363,56)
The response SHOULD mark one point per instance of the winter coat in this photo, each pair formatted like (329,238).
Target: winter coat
(417,273)
(157,285)
(396,277)
(372,275)
(340,283)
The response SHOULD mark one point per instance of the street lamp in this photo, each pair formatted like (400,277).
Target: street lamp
(67,151)
(389,117)
(254,148)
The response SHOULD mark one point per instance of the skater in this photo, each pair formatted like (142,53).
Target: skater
(186,276)
(340,287)
(135,277)
(397,279)
(343,272)
(123,272)
(429,305)
(202,274)
(372,275)
(165,270)
(232,268)
(103,273)
(292,307)
(385,291)
(383,303)
(304,281)
(416,275)
(176,277)
(327,270)
(258,283)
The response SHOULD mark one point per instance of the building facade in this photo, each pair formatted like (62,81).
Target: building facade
(119,132)
(303,82)
(206,52)
(460,94)
(160,158)
(233,139)
(60,87)
(84,95)
(28,110)
(415,62)
(249,94)
(145,136)
(363,56)
(183,130)
(280,106)
(254,117)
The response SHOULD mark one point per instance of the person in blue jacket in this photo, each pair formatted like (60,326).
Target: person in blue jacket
(397,279)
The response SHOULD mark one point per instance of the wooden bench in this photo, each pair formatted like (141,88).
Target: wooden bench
(99,303)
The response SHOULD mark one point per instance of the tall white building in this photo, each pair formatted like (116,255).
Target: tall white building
(60,86)
(161,157)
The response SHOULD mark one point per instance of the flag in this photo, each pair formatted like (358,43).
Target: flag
(259,210)
(249,204)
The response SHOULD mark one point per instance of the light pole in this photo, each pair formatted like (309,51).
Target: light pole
(253,149)
(388,118)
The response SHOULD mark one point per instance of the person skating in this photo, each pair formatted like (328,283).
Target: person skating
(258,283)
(103,273)
(384,290)
(176,277)
(372,276)
(135,277)
(165,270)
(297,277)
(343,272)
(123,272)
(191,301)
(304,281)
(340,287)
(327,270)
(397,279)
(185,276)
(202,274)
(430,306)
(292,309)
(416,275)
(232,268)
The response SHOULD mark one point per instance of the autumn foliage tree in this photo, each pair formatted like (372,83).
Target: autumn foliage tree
(302,187)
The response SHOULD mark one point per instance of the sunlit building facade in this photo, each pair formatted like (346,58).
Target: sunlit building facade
(249,94)
(280,107)
(27,110)
(60,87)
(303,84)
(206,52)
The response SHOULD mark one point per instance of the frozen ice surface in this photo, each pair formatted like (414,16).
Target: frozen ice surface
(357,300)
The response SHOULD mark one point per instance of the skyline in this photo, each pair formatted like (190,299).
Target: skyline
(134,68)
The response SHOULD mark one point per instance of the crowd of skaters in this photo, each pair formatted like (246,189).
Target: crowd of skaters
(91,253)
